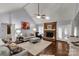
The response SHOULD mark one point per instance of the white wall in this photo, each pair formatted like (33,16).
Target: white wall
(72,27)
(17,17)
(63,29)
(76,24)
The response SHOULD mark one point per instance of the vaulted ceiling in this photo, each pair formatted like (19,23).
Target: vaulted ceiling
(8,7)
(56,11)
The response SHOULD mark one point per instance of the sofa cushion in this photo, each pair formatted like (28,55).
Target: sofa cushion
(1,42)
(4,51)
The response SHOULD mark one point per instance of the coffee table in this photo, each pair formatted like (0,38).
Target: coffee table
(35,49)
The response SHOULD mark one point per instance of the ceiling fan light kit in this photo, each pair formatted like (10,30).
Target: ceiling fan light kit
(47,17)
(43,16)
(38,16)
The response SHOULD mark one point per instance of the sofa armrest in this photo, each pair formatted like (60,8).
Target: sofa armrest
(23,53)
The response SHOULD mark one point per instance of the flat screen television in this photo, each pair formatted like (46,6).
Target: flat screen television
(49,34)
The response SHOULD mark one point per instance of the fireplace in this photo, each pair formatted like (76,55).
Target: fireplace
(49,34)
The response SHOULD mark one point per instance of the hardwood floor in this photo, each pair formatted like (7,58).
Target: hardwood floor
(62,49)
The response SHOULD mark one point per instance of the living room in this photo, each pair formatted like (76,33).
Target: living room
(38,29)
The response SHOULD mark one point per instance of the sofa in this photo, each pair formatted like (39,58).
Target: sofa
(73,51)
(72,39)
(28,36)
(5,51)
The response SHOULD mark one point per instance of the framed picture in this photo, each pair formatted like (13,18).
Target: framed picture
(25,25)
(49,26)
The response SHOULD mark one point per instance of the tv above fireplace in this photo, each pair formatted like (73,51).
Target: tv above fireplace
(49,34)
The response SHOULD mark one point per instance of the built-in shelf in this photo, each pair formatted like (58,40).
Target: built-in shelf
(50,34)
(51,29)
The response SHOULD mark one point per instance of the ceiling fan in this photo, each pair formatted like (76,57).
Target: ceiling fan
(41,16)
(38,15)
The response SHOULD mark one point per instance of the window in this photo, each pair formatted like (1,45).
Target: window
(75,31)
(40,29)
(60,33)
(18,32)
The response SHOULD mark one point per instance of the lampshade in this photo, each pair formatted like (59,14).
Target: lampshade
(34,29)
